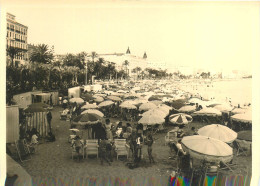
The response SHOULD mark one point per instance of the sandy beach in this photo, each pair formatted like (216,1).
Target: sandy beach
(53,160)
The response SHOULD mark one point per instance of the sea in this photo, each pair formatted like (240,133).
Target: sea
(235,91)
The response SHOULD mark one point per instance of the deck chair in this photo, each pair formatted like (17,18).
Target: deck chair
(229,166)
(121,148)
(170,137)
(91,147)
(239,149)
(23,150)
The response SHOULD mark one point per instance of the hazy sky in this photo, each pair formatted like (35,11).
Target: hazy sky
(215,35)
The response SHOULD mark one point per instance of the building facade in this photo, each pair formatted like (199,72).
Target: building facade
(16,38)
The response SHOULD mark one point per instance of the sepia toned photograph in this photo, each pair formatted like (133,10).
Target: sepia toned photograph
(129,92)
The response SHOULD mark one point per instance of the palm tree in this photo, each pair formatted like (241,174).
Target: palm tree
(126,64)
(94,55)
(42,54)
(12,52)
(138,69)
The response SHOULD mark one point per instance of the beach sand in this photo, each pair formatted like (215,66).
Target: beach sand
(53,159)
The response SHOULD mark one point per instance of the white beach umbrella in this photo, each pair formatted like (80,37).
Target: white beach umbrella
(223,108)
(207,112)
(76,100)
(151,120)
(219,132)
(245,117)
(89,106)
(156,112)
(206,148)
(147,106)
(106,103)
(187,109)
(94,111)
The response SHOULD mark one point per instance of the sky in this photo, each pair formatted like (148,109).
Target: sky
(210,35)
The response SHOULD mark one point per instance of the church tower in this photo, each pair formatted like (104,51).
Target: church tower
(128,51)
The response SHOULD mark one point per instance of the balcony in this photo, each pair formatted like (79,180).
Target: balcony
(18,31)
(17,39)
(12,29)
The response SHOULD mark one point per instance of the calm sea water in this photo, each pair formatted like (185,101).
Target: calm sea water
(237,91)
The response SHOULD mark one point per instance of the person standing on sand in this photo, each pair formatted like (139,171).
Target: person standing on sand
(150,149)
(108,129)
(49,118)
(103,151)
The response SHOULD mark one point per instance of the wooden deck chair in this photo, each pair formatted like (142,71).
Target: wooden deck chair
(91,147)
(170,137)
(23,150)
(229,166)
(121,148)
(239,149)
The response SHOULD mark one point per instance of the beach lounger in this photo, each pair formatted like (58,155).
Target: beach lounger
(91,147)
(121,148)
(239,149)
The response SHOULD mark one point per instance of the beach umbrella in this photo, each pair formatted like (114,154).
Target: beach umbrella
(219,132)
(117,94)
(76,100)
(180,118)
(206,148)
(165,107)
(88,118)
(89,106)
(122,91)
(246,117)
(156,102)
(128,104)
(99,95)
(147,106)
(106,103)
(87,97)
(207,112)
(239,111)
(93,111)
(155,97)
(177,104)
(151,120)
(114,98)
(187,109)
(98,99)
(75,130)
(156,111)
(245,135)
(223,108)
(195,100)
(37,107)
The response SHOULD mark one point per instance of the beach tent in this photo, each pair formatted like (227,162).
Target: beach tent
(12,123)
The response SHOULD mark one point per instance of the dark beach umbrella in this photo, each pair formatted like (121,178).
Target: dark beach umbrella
(37,107)
(177,104)
(152,98)
(88,118)
(87,97)
(245,135)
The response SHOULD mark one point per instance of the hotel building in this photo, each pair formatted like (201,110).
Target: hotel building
(16,37)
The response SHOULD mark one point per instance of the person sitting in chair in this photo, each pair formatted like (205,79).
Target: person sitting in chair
(78,145)
(179,146)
